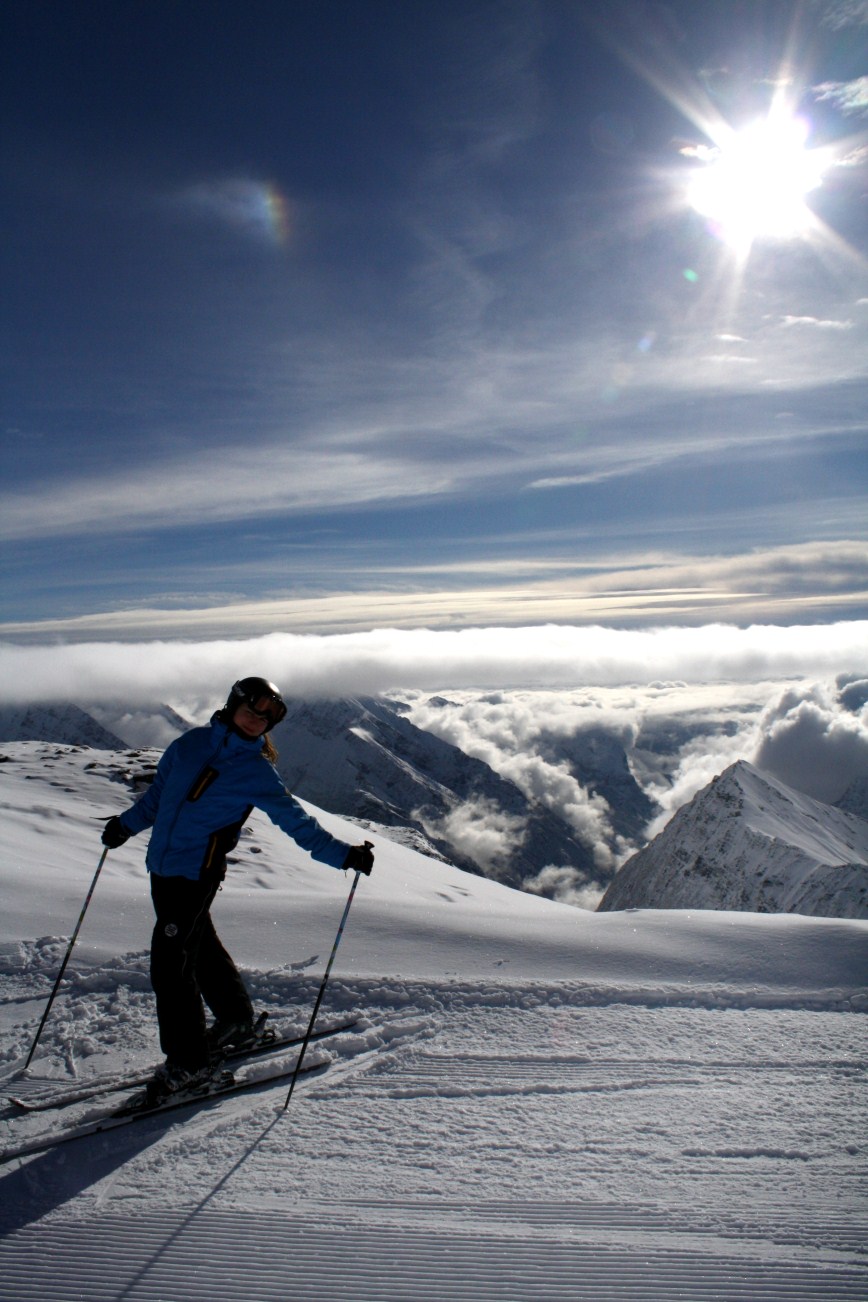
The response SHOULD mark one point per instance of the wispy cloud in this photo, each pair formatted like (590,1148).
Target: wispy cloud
(844,13)
(850,97)
(816,323)
(821,578)
(230,484)
(488,434)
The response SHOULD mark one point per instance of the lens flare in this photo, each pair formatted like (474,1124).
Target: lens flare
(278,214)
(257,209)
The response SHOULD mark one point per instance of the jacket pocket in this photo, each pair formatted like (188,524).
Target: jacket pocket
(221,843)
(202,783)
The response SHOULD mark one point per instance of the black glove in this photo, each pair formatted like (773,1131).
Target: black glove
(114,833)
(360,858)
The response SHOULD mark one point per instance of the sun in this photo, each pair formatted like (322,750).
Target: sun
(752,184)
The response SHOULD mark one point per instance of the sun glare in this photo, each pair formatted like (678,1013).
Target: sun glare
(753,184)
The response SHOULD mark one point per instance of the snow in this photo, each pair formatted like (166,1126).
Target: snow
(537,1102)
(747,841)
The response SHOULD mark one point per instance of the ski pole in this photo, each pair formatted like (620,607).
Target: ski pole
(309,1032)
(66,957)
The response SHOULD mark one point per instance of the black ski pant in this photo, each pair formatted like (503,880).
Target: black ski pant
(189,964)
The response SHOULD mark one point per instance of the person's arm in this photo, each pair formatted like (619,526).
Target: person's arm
(142,814)
(284,810)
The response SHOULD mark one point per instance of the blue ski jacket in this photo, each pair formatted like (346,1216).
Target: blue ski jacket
(207,783)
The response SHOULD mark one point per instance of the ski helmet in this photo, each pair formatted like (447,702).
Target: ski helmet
(260,696)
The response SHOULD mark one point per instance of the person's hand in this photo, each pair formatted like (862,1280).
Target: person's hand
(360,858)
(114,833)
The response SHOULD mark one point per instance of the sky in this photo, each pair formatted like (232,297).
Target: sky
(323,319)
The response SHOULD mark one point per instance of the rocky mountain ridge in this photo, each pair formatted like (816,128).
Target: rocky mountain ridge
(362,758)
(748,842)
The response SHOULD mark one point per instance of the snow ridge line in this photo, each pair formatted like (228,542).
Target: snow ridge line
(286,987)
(448,996)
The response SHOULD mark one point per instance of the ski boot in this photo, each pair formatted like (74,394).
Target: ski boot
(238,1036)
(174,1081)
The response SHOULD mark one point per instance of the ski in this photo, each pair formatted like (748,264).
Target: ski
(85,1092)
(222,1087)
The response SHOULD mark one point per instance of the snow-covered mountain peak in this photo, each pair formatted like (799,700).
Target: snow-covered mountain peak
(772,809)
(747,841)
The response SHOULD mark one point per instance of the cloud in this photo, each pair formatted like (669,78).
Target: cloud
(839,14)
(812,736)
(505,732)
(782,584)
(815,739)
(347,423)
(566,886)
(816,323)
(851,97)
(699,760)
(685,704)
(560,656)
(229,484)
(480,830)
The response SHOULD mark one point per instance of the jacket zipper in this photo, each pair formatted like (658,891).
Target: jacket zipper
(212,757)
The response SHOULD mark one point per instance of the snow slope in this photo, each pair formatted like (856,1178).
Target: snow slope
(538,1103)
(748,841)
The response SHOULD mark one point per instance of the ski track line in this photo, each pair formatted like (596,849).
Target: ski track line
(429,1073)
(232,1255)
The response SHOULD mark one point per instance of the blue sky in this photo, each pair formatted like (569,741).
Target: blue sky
(329,317)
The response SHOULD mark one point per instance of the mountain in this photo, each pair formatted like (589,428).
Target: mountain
(598,761)
(62,723)
(363,759)
(749,842)
(142,725)
(855,798)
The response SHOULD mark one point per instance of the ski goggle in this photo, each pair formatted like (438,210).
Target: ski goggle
(269,708)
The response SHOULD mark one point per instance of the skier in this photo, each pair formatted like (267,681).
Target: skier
(207,782)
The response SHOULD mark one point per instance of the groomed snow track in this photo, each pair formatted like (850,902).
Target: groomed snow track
(505,1253)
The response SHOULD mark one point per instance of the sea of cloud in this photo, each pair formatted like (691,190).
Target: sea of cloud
(193,673)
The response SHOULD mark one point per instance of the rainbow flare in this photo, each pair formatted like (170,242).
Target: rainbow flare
(256,208)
